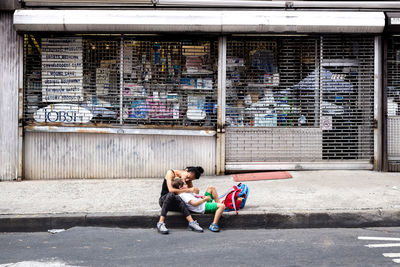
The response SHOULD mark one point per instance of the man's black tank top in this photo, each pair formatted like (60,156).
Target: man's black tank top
(164,188)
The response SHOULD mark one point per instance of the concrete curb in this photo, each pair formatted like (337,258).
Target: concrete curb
(245,220)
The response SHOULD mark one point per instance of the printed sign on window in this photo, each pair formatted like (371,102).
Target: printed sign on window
(62,69)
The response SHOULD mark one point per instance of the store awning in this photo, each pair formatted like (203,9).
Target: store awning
(158,21)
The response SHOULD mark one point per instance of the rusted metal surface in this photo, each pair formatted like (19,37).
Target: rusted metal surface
(49,155)
(378,119)
(221,106)
(122,130)
(10,55)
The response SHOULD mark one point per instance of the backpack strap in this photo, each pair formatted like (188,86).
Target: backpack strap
(233,202)
(227,192)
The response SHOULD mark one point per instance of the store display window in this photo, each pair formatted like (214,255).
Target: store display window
(107,80)
(323,83)
(263,77)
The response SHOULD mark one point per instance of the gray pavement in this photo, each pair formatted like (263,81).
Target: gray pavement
(309,199)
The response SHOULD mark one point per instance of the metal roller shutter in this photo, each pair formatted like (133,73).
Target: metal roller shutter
(117,80)
(393,99)
(299,99)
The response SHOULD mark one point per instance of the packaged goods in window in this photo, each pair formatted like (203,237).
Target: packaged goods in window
(263,60)
(204,83)
(175,111)
(267,119)
(172,97)
(139,109)
(194,50)
(131,62)
(234,62)
(102,81)
(195,110)
(271,79)
(194,64)
(188,83)
(263,111)
(159,109)
(134,90)
(392,107)
(328,84)
(99,108)
(157,54)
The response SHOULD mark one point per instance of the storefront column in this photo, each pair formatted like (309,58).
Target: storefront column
(378,119)
(10,86)
(220,157)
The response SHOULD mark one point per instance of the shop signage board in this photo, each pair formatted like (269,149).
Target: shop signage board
(63,113)
(62,69)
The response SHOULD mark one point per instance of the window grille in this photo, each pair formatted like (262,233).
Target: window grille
(320,83)
(110,80)
(393,100)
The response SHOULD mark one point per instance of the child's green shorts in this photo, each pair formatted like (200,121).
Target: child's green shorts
(211,207)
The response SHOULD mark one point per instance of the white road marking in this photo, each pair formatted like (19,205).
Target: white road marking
(378,238)
(388,245)
(391,255)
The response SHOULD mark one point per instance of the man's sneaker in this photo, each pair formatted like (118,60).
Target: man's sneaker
(194,226)
(162,228)
(213,228)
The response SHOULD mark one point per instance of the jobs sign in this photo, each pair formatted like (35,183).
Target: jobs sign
(62,69)
(63,113)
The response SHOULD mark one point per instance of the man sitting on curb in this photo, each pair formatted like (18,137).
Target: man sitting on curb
(202,204)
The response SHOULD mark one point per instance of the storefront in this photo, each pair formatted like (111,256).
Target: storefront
(150,94)
(300,102)
(113,94)
(392,92)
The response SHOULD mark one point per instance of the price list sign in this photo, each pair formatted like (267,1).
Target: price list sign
(62,69)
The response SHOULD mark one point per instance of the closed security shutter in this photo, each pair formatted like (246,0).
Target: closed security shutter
(393,100)
(114,80)
(299,99)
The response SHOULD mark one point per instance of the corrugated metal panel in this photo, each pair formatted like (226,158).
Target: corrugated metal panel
(273,144)
(91,3)
(393,138)
(10,57)
(148,21)
(80,155)
(392,103)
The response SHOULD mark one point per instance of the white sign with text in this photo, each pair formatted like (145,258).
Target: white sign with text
(63,113)
(62,74)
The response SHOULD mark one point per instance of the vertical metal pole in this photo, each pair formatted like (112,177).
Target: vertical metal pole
(221,106)
(377,103)
(121,81)
(320,79)
(20,107)
(317,84)
(384,117)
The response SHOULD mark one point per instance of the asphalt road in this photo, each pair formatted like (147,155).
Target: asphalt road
(145,247)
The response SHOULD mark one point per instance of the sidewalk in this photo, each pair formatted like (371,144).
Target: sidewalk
(309,199)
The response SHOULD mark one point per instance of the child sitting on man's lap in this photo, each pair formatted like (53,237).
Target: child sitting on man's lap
(209,203)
